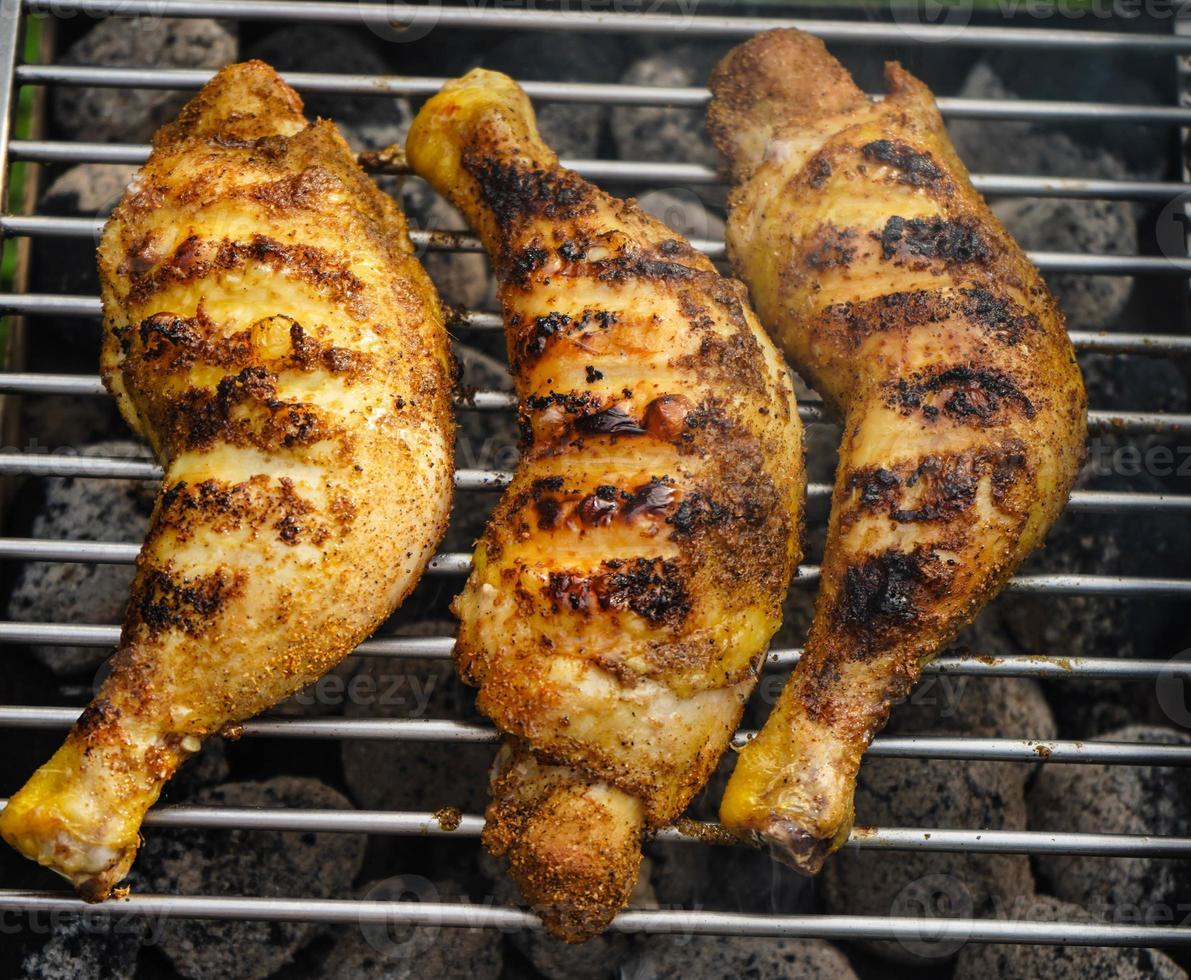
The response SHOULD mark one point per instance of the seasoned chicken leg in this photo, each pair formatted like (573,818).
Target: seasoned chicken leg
(268,329)
(899,295)
(633,573)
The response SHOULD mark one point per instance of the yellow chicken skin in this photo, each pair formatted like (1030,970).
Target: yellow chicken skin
(268,329)
(897,293)
(632,575)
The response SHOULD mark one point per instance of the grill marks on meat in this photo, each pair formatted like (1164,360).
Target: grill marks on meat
(268,329)
(962,394)
(625,588)
(964,413)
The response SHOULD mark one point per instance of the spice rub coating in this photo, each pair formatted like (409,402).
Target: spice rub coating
(894,290)
(632,575)
(268,329)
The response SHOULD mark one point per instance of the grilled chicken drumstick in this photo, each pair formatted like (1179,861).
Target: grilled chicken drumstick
(632,574)
(269,330)
(900,296)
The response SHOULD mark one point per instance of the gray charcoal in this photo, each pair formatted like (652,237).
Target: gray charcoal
(108,115)
(1086,227)
(570,129)
(88,189)
(980,707)
(83,510)
(712,957)
(1139,150)
(208,767)
(930,793)
(401,775)
(935,793)
(984,707)
(1118,800)
(727,878)
(247,862)
(67,265)
(390,951)
(1008,147)
(464,279)
(596,959)
(667,132)
(994,962)
(367,122)
(1051,224)
(1092,626)
(88,946)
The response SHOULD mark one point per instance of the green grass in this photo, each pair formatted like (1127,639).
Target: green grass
(18,172)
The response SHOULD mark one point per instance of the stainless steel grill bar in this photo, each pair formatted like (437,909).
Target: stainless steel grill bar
(10,41)
(620,22)
(459,563)
(465,915)
(420,824)
(442,648)
(95,635)
(50,151)
(102,467)
(887,746)
(435,239)
(407,823)
(388,86)
(140,469)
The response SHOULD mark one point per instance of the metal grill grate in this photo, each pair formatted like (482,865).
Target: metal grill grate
(13,76)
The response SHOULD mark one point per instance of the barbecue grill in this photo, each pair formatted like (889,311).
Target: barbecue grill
(1169,342)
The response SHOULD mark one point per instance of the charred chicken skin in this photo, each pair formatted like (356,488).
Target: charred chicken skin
(898,294)
(270,332)
(632,575)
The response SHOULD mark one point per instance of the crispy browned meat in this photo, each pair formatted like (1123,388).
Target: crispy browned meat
(269,330)
(632,575)
(894,289)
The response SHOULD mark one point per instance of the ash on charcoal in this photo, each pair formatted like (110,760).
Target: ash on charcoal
(77,509)
(426,776)
(367,122)
(1118,800)
(992,962)
(391,951)
(109,115)
(570,129)
(90,947)
(667,132)
(247,862)
(930,793)
(699,957)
